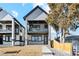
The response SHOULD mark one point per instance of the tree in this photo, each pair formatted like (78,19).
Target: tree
(63,16)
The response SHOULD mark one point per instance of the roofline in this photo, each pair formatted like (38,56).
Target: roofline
(18,22)
(13,17)
(34,10)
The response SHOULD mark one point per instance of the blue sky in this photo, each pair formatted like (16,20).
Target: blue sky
(19,10)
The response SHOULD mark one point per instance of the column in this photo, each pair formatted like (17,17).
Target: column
(60,33)
(13,32)
(49,34)
(26,35)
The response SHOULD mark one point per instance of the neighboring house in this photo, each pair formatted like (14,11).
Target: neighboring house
(37,29)
(10,29)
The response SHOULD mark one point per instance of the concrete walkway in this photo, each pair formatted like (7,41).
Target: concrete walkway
(58,52)
(53,52)
(46,51)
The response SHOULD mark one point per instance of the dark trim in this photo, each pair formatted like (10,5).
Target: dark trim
(13,17)
(34,10)
(18,22)
(36,36)
(9,40)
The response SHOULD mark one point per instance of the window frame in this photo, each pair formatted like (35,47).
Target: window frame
(7,39)
(35,38)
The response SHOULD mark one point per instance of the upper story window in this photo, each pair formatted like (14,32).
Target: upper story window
(36,27)
(8,27)
(8,38)
(17,29)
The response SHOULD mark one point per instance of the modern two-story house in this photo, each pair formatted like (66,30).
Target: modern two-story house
(12,32)
(37,29)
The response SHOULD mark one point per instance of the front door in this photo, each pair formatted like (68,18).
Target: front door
(1,40)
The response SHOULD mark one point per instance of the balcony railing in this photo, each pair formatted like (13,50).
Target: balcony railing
(37,30)
(5,31)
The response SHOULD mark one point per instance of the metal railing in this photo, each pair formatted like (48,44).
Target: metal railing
(5,31)
(37,30)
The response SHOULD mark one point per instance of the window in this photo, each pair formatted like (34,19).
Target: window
(36,38)
(8,38)
(8,27)
(17,30)
(35,27)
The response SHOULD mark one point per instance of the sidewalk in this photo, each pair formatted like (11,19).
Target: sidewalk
(46,51)
(58,52)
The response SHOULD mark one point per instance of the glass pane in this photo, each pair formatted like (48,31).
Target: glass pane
(8,27)
(36,38)
(7,38)
(39,38)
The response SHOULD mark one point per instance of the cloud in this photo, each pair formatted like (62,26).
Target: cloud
(14,13)
(43,5)
(23,4)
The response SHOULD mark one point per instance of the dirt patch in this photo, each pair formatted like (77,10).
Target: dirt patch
(31,50)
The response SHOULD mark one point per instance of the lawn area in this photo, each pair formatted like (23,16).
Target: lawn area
(31,50)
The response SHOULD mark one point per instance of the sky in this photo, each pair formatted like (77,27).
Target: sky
(19,10)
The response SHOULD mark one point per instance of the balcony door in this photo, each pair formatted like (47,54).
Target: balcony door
(34,27)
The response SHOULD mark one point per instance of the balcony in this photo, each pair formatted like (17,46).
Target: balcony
(5,31)
(37,31)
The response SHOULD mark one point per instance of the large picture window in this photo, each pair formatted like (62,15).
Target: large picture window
(36,38)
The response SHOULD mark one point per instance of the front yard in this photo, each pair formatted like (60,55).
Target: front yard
(31,50)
